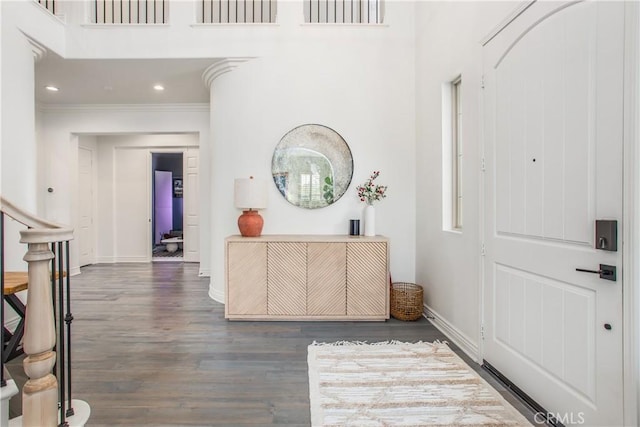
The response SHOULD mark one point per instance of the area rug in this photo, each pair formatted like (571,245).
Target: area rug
(400,384)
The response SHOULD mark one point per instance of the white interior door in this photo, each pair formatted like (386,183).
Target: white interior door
(85,199)
(191,222)
(553,152)
(162,204)
(132,207)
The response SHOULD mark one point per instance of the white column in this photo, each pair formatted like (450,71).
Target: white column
(216,286)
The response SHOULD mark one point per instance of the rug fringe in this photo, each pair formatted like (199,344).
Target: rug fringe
(390,342)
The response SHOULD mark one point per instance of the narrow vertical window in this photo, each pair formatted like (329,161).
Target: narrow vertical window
(456,153)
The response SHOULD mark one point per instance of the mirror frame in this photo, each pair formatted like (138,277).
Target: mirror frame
(323,142)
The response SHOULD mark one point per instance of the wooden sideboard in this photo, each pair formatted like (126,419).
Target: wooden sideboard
(307,277)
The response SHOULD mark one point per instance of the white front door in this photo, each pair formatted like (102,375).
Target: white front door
(553,152)
(85,199)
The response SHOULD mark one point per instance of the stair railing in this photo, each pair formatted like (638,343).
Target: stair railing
(46,396)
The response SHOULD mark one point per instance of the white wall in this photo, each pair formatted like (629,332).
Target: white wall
(60,129)
(363,89)
(17,104)
(181,37)
(448,263)
(358,80)
(18,147)
(18,127)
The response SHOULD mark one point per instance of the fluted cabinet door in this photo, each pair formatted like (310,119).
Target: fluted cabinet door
(367,287)
(287,278)
(246,278)
(327,279)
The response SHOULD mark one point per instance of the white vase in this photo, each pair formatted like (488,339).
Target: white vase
(369,221)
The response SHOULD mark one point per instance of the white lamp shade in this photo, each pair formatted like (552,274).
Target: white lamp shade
(250,193)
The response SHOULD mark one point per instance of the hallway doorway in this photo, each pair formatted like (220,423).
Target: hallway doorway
(167,206)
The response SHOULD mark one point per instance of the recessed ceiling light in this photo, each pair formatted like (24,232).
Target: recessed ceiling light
(159,88)
(51,88)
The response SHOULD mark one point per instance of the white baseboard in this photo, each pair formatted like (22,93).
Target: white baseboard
(75,271)
(115,259)
(131,259)
(452,333)
(204,273)
(215,294)
(164,259)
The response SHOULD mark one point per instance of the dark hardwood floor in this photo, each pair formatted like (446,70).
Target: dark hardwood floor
(151,348)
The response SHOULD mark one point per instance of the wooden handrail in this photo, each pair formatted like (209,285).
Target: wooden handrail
(24,217)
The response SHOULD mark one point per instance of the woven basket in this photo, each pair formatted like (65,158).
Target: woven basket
(406,301)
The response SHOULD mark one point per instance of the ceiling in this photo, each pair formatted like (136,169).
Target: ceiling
(120,81)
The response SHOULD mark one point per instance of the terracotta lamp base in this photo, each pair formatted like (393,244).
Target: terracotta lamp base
(250,224)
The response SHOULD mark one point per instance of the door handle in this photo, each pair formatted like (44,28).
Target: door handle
(606,272)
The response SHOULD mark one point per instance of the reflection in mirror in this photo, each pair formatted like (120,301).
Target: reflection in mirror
(312,166)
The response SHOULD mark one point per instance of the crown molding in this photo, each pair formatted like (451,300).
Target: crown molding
(170,108)
(39,51)
(221,67)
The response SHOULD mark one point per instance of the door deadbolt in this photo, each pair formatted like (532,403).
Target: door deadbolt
(607,235)
(606,272)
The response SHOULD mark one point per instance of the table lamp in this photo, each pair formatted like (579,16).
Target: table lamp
(250,195)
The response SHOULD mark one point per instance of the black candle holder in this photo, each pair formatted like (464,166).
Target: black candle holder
(354,227)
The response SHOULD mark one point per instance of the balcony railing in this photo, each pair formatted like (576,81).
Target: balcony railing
(237,11)
(50,5)
(231,11)
(130,11)
(343,11)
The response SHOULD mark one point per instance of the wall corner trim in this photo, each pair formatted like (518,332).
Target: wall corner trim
(132,108)
(216,294)
(221,67)
(452,333)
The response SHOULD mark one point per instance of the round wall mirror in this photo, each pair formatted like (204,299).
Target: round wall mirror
(312,166)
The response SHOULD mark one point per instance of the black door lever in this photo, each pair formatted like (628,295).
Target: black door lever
(606,272)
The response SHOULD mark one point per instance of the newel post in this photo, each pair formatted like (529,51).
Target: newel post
(40,393)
